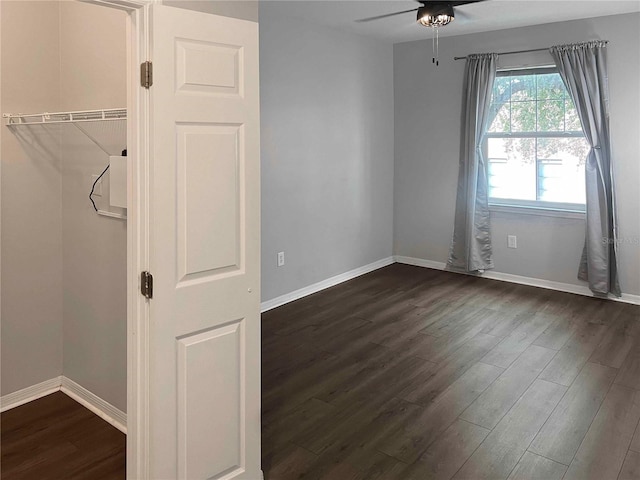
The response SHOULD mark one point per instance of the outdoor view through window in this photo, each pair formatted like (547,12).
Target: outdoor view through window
(535,146)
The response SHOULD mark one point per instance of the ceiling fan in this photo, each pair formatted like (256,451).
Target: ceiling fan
(430,13)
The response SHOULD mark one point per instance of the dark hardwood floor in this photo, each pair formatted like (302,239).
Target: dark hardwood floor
(411,373)
(55,438)
(407,373)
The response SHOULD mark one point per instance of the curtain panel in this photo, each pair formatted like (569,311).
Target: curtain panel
(471,245)
(583,69)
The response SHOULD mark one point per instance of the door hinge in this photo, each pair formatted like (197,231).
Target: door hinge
(146,284)
(146,74)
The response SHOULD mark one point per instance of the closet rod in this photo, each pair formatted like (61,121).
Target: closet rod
(66,117)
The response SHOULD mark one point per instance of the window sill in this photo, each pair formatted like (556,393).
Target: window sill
(539,211)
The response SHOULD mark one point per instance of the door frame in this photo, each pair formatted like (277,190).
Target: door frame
(138,231)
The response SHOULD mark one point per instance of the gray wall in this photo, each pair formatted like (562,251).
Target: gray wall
(327,151)
(31,199)
(427,139)
(93,76)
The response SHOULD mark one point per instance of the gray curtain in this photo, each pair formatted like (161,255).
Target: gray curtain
(583,69)
(471,245)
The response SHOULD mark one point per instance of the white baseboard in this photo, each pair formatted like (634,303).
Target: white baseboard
(97,405)
(84,397)
(29,394)
(534,282)
(420,262)
(329,282)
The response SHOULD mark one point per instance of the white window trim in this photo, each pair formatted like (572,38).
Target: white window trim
(553,210)
(533,207)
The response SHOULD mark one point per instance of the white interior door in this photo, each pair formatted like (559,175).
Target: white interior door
(204,211)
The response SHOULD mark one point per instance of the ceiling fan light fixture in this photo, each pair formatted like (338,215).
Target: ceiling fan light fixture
(439,16)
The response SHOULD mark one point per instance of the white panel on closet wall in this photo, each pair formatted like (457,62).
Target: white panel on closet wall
(118,181)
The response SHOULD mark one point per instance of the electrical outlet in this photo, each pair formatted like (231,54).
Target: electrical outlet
(512,241)
(280,259)
(97,190)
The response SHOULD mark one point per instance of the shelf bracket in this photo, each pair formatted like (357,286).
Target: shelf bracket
(90,137)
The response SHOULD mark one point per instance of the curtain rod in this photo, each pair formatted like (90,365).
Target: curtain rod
(510,53)
(534,49)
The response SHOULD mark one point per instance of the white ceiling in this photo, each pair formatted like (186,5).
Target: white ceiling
(483,16)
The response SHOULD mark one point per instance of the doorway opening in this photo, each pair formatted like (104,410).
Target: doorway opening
(70,189)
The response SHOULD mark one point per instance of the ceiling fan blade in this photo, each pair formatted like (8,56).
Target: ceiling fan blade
(378,17)
(459,4)
(454,4)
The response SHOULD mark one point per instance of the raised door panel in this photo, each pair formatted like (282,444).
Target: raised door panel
(210,192)
(208,67)
(210,446)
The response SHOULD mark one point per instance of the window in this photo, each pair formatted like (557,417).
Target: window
(535,146)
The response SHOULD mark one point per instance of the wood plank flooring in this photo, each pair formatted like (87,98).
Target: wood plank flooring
(411,373)
(55,438)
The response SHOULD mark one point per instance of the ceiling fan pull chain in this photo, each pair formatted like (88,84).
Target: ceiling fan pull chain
(433,46)
(437,47)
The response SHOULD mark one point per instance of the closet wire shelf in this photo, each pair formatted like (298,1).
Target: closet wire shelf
(66,117)
(76,119)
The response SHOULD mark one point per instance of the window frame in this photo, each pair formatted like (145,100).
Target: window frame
(508,205)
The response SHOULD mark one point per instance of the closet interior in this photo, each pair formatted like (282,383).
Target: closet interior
(63,204)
